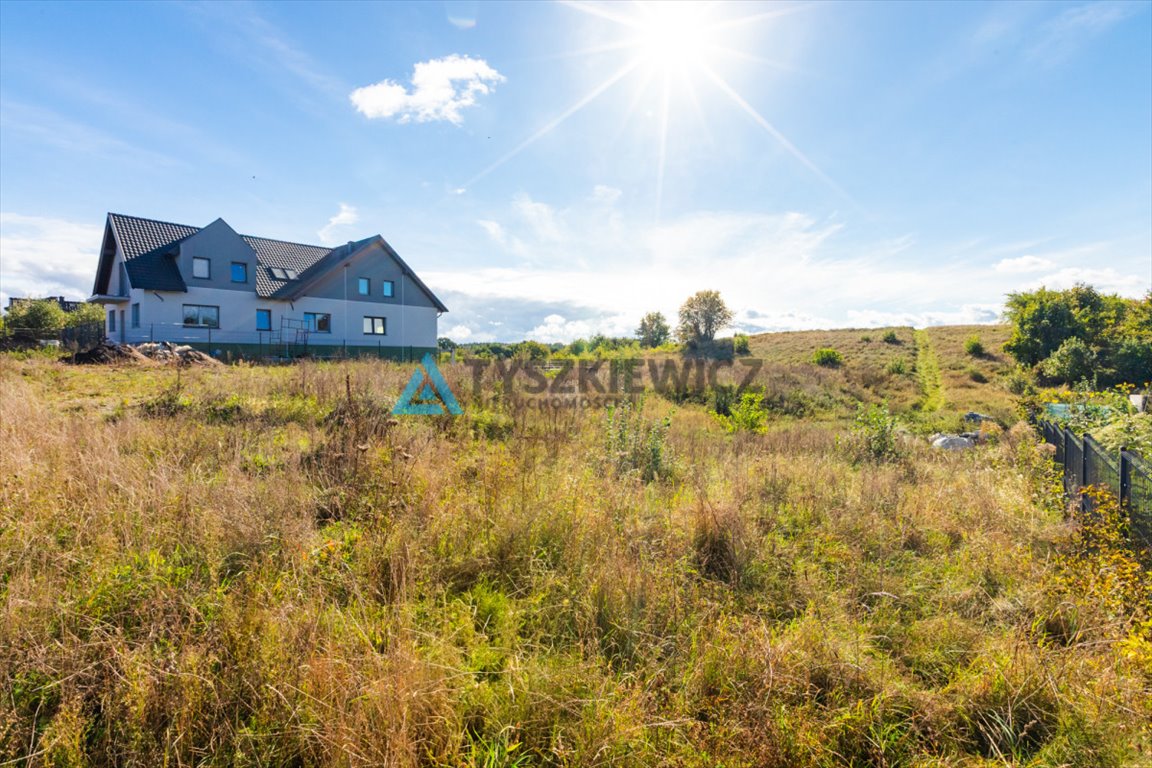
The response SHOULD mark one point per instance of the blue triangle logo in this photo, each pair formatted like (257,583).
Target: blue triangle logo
(427,393)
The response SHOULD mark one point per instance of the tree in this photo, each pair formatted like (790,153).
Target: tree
(1074,361)
(1081,333)
(653,330)
(1042,320)
(84,314)
(43,315)
(701,316)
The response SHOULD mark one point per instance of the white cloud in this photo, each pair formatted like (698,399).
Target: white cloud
(967,314)
(1106,280)
(541,217)
(458,333)
(1063,35)
(441,88)
(599,273)
(47,257)
(345,216)
(494,230)
(602,193)
(1023,264)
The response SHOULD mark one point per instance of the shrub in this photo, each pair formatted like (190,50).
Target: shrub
(740,344)
(976,375)
(1018,382)
(874,434)
(974,347)
(827,357)
(1073,361)
(898,367)
(890,337)
(748,413)
(636,444)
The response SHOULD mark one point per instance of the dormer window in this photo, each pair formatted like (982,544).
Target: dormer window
(201,268)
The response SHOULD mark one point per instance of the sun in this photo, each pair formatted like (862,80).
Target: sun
(672,36)
(672,48)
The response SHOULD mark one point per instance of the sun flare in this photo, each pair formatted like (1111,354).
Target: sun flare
(673,49)
(672,35)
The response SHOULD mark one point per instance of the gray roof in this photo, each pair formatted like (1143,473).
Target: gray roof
(147,258)
(277,253)
(149,248)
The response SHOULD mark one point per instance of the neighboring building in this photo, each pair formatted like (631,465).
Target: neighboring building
(250,296)
(63,303)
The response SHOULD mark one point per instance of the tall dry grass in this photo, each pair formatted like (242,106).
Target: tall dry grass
(261,566)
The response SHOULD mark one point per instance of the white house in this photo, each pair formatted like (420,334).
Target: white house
(250,296)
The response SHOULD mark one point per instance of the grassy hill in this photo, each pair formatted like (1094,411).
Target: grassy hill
(886,364)
(261,566)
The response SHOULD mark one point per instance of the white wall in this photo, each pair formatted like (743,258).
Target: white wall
(162,318)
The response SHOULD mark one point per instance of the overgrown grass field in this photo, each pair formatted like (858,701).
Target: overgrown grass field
(254,566)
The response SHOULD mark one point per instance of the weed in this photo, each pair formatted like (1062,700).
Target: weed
(635,444)
(827,357)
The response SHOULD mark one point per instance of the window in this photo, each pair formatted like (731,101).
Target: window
(291,274)
(136,315)
(263,319)
(201,316)
(111,321)
(283,274)
(201,268)
(239,272)
(321,322)
(389,289)
(364,285)
(376,326)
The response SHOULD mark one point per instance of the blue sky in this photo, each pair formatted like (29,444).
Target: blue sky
(555,170)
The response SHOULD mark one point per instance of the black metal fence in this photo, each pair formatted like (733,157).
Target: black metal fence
(1125,473)
(75,338)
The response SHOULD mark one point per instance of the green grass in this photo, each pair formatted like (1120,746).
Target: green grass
(260,566)
(928,375)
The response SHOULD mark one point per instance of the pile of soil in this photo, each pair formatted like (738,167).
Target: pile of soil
(107,353)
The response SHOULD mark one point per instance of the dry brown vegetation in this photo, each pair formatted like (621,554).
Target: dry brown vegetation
(261,566)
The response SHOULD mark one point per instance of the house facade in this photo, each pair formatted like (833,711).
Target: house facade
(245,296)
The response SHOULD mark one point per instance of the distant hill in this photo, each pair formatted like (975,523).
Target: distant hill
(900,370)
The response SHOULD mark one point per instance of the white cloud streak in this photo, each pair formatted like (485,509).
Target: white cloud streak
(346,216)
(1023,264)
(441,88)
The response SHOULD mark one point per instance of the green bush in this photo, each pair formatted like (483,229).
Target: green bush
(874,433)
(974,347)
(977,375)
(828,357)
(1073,361)
(890,337)
(740,344)
(898,367)
(747,414)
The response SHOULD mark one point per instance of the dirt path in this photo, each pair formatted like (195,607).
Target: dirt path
(928,374)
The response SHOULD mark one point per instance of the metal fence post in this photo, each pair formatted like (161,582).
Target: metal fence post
(1067,437)
(1084,448)
(1125,478)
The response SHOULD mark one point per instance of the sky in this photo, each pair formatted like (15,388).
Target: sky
(556,170)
